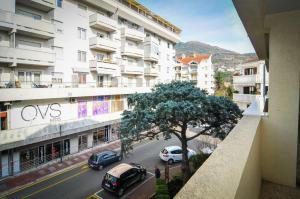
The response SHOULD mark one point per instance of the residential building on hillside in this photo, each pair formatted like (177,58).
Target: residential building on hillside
(249,83)
(66,68)
(198,69)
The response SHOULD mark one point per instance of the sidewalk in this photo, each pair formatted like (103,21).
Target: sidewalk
(40,173)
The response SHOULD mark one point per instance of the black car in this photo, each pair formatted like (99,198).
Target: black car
(98,161)
(119,178)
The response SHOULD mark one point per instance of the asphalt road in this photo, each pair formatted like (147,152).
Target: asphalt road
(81,182)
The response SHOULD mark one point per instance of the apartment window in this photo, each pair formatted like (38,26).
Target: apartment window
(29,14)
(81,56)
(168,69)
(99,56)
(159,41)
(82,7)
(82,78)
(168,45)
(57,78)
(28,77)
(206,75)
(250,71)
(59,3)
(81,33)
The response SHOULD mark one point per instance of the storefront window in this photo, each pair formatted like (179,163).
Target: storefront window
(82,142)
(115,134)
(28,159)
(66,147)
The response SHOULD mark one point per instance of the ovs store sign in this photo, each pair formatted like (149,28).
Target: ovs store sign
(37,112)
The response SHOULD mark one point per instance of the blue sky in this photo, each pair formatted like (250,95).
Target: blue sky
(215,22)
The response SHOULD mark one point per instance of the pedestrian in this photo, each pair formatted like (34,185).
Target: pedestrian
(157,172)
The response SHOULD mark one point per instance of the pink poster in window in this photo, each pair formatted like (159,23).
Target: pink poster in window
(82,109)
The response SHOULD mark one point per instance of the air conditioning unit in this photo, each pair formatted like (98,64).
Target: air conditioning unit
(72,100)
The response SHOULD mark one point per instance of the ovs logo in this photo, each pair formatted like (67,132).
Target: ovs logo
(32,112)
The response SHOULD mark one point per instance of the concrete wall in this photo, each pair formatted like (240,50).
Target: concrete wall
(233,170)
(279,148)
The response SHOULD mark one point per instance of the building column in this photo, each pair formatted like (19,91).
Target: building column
(280,128)
(74,145)
(90,140)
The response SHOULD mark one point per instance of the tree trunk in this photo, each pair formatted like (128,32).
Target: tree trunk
(185,168)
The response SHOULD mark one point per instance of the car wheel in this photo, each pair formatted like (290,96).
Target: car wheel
(142,177)
(121,192)
(170,161)
(100,167)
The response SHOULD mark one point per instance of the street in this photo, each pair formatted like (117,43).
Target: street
(82,182)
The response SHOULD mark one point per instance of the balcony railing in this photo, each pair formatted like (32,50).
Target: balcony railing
(132,34)
(132,51)
(101,67)
(103,22)
(105,44)
(248,98)
(27,56)
(233,170)
(42,28)
(132,69)
(45,5)
(246,79)
(150,71)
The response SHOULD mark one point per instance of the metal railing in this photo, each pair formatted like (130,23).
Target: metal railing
(50,84)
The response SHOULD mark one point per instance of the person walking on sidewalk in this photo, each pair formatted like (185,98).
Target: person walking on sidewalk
(157,172)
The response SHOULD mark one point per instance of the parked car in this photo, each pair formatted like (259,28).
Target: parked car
(173,154)
(98,161)
(119,178)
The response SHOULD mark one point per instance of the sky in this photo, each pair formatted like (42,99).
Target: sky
(214,22)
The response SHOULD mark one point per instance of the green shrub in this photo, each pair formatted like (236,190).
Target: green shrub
(197,160)
(175,185)
(161,190)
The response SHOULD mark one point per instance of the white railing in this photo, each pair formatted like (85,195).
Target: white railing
(151,71)
(246,79)
(26,23)
(245,97)
(101,21)
(27,56)
(110,68)
(132,33)
(102,43)
(132,69)
(132,50)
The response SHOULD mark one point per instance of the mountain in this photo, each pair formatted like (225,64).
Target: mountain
(221,56)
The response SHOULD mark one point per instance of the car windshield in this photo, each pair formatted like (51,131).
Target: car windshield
(110,178)
(94,158)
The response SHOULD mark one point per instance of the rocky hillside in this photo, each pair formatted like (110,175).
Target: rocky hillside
(220,56)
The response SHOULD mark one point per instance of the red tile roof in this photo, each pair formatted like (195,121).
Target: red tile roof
(197,58)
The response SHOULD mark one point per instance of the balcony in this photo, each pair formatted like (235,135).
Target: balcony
(109,68)
(133,34)
(132,51)
(151,49)
(27,56)
(131,69)
(246,79)
(103,22)
(150,71)
(27,25)
(228,174)
(98,43)
(45,5)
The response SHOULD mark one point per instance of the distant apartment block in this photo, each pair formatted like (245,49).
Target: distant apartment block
(196,68)
(66,68)
(248,83)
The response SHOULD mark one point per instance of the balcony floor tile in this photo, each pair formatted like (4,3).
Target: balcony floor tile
(275,191)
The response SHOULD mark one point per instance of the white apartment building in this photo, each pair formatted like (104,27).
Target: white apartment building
(249,83)
(66,68)
(197,68)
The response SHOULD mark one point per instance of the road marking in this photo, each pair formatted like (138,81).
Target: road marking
(93,196)
(52,185)
(85,166)
(40,181)
(130,192)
